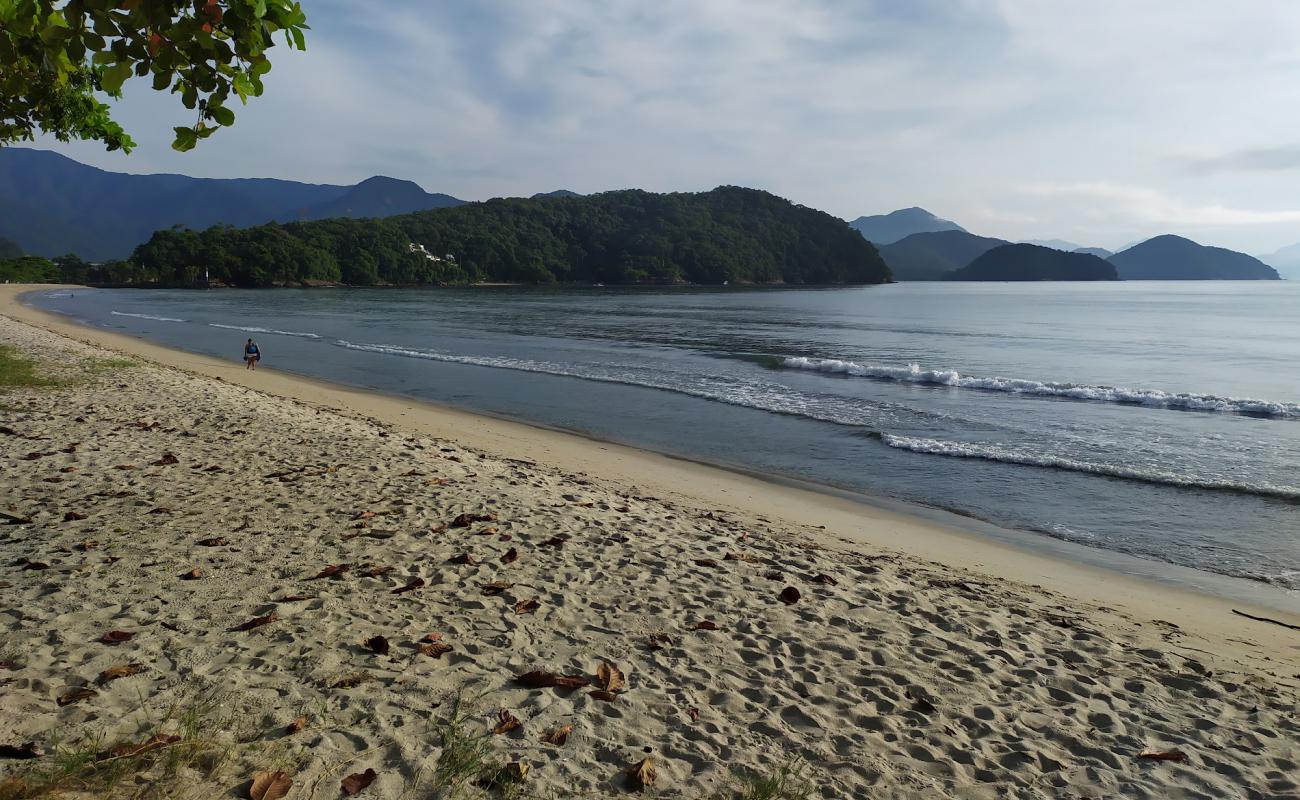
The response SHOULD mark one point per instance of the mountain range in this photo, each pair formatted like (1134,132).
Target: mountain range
(1286,261)
(51,205)
(1168,257)
(884,229)
(1031,262)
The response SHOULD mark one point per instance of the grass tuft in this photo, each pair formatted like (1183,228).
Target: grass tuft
(785,782)
(16,371)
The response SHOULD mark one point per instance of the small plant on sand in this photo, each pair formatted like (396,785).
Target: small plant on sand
(101,366)
(785,782)
(16,371)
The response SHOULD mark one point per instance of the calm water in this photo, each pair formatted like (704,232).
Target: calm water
(1160,421)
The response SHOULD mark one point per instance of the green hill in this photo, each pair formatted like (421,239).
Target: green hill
(1173,258)
(727,235)
(1029,262)
(930,256)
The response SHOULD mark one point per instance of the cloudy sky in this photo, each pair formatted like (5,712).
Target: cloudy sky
(1099,122)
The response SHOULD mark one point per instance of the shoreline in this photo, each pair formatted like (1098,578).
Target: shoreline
(840,518)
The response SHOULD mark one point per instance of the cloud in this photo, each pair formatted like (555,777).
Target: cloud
(1264,159)
(1138,205)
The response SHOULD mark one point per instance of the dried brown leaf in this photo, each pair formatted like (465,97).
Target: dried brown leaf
(351,681)
(603,694)
(610,678)
(435,649)
(215,541)
(1163,755)
(705,625)
(558,736)
(377,645)
(642,775)
(555,541)
(117,637)
(256,622)
(355,783)
(693,713)
(506,722)
(331,571)
(297,726)
(826,580)
(495,588)
(119,671)
(75,695)
(415,583)
(167,460)
(270,785)
(527,606)
(510,556)
(132,749)
(192,575)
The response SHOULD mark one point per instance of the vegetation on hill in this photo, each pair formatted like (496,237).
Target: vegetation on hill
(1029,262)
(28,269)
(1166,258)
(729,234)
(930,256)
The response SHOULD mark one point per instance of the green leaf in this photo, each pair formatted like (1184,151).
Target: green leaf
(113,77)
(186,138)
(222,115)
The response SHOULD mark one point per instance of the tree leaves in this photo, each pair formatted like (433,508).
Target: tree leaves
(355,783)
(270,785)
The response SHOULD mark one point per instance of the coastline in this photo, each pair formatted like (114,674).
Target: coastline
(325,580)
(839,520)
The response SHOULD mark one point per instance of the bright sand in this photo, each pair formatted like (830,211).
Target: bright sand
(918,661)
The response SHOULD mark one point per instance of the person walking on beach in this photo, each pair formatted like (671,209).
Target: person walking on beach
(251,354)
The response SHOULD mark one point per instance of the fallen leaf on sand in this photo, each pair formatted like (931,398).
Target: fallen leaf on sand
(610,678)
(192,575)
(495,588)
(270,785)
(410,587)
(35,565)
(353,784)
(125,466)
(119,671)
(377,572)
(740,557)
(826,580)
(73,516)
(160,510)
(488,531)
(330,571)
(75,696)
(555,541)
(131,749)
(256,622)
(166,460)
(377,645)
(527,606)
(23,751)
(602,694)
(215,541)
(693,713)
(351,681)
(557,736)
(294,598)
(463,558)
(642,775)
(510,556)
(117,637)
(773,575)
(299,723)
(435,649)
(659,640)
(87,545)
(466,520)
(506,722)
(789,595)
(707,563)
(705,625)
(541,679)
(1163,755)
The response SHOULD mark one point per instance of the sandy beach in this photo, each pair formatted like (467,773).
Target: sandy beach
(313,580)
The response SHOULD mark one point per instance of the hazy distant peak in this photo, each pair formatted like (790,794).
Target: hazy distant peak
(1055,244)
(1170,257)
(883,229)
(556,193)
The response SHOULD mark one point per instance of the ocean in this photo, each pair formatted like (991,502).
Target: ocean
(1148,427)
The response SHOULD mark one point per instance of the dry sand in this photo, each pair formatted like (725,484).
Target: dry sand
(917,661)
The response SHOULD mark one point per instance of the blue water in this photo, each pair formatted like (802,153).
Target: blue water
(1156,420)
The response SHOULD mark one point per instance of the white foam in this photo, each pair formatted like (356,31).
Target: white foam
(1011,455)
(145,316)
(1153,398)
(254,329)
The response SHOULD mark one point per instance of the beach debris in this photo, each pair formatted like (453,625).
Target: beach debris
(331,571)
(610,678)
(705,625)
(641,775)
(25,750)
(130,750)
(351,680)
(506,722)
(270,785)
(116,637)
(34,565)
(192,575)
(75,695)
(513,773)
(557,736)
(555,541)
(256,622)
(488,531)
(790,595)
(541,679)
(1266,619)
(774,575)
(495,588)
(738,556)
(120,671)
(463,558)
(126,466)
(160,510)
(1163,755)
(527,606)
(297,726)
(920,700)
(167,460)
(707,563)
(415,583)
(214,541)
(510,556)
(693,713)
(826,580)
(377,645)
(434,647)
(466,520)
(658,640)
(87,545)
(294,598)
(355,783)
(73,516)
(604,694)
(377,571)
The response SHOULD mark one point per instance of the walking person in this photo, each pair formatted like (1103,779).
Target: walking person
(251,354)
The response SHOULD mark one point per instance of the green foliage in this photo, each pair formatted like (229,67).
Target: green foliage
(28,269)
(55,55)
(730,235)
(18,371)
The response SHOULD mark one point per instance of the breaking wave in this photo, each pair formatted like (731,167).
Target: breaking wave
(145,316)
(254,329)
(1151,398)
(1011,455)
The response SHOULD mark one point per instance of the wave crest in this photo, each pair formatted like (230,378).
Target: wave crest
(255,329)
(145,316)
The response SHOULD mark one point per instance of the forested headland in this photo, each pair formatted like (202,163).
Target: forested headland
(727,235)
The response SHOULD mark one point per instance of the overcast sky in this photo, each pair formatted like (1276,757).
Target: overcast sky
(1099,122)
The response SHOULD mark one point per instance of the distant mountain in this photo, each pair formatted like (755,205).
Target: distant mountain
(51,205)
(9,248)
(556,193)
(377,197)
(1286,261)
(1055,244)
(928,256)
(1173,258)
(1030,262)
(1099,252)
(888,228)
